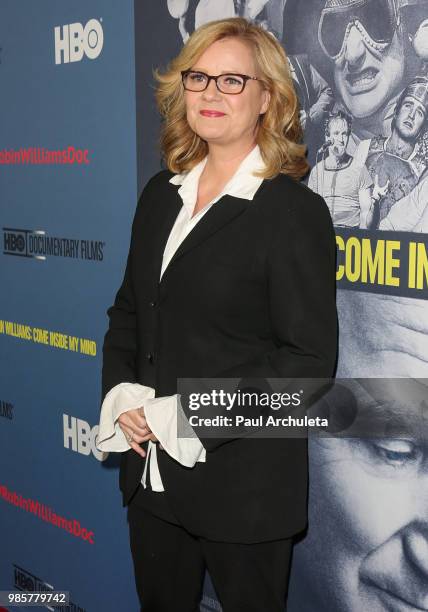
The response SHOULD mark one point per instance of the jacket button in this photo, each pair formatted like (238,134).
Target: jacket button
(152,304)
(150,357)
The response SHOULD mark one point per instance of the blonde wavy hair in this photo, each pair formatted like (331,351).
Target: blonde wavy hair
(279,132)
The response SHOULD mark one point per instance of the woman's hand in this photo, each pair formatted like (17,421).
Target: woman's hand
(133,423)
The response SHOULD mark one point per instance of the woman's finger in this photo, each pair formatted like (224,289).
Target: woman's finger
(150,436)
(137,433)
(136,424)
(137,448)
(135,441)
(138,417)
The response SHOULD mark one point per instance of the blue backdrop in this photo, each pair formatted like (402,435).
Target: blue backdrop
(50,395)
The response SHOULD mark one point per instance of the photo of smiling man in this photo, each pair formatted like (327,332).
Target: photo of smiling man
(367,547)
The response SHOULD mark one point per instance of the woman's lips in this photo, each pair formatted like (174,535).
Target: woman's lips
(208,113)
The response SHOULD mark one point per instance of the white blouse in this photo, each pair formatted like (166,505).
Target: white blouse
(162,413)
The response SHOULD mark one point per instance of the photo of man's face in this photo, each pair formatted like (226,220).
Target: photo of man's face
(366,47)
(410,118)
(338,135)
(367,545)
(366,77)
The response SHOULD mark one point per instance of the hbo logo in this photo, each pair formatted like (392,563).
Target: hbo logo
(82,437)
(77,41)
(13,242)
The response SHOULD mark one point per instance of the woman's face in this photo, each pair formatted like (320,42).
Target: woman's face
(236,116)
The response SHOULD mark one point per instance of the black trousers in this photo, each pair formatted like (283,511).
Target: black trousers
(170,564)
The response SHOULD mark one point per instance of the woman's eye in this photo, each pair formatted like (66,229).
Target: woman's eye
(197,77)
(232,81)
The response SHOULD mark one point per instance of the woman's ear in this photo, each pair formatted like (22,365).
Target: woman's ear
(266,100)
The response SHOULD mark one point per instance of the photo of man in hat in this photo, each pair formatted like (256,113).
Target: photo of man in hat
(371,48)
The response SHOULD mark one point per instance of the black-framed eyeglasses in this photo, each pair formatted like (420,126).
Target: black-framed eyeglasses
(194,80)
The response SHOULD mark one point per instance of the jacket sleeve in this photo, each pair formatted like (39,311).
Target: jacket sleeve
(121,398)
(301,272)
(119,369)
(164,417)
(120,341)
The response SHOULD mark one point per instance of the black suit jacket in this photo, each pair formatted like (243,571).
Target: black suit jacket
(250,292)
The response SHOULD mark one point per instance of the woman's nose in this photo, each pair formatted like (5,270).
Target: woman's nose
(211,91)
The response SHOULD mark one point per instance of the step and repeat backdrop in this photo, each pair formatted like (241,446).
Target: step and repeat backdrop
(79,132)
(68,192)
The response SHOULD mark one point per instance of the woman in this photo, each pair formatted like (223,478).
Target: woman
(231,274)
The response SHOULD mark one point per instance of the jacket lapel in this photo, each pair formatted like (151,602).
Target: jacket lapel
(159,230)
(221,213)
